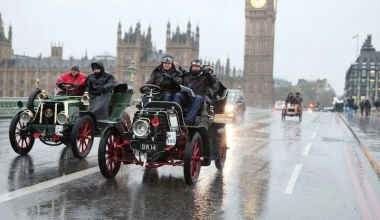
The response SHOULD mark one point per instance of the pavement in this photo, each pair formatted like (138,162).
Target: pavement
(366,130)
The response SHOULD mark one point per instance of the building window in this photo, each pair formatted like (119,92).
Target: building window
(21,94)
(363,82)
(354,74)
(354,82)
(22,82)
(11,82)
(372,73)
(364,73)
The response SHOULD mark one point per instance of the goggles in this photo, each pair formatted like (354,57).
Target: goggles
(196,63)
(167,60)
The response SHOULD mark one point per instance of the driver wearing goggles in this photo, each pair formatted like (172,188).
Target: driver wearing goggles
(167,77)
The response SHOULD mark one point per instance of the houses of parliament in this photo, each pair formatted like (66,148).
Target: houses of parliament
(19,72)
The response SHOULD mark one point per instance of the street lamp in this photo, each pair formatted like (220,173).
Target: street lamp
(132,71)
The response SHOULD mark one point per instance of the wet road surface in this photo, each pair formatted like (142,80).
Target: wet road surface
(275,169)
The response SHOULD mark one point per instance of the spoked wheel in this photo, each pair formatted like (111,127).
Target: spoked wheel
(32,97)
(221,147)
(82,136)
(192,159)
(107,156)
(21,139)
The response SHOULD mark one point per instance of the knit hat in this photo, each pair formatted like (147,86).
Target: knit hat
(75,67)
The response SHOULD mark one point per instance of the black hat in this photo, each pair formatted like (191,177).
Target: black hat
(75,67)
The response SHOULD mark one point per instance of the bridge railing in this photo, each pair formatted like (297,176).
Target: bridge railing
(9,106)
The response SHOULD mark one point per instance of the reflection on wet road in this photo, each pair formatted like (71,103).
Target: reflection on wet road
(275,169)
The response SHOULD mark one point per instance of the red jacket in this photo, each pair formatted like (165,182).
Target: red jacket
(79,79)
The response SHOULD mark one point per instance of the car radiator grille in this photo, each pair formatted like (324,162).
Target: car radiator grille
(46,113)
(163,127)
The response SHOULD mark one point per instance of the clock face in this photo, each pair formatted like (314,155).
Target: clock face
(258,3)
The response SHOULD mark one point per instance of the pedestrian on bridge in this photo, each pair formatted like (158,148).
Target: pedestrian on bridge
(377,106)
(350,105)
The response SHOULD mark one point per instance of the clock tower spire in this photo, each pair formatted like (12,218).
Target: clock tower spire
(260,17)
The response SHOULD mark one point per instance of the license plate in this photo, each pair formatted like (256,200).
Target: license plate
(171,138)
(149,147)
(58,129)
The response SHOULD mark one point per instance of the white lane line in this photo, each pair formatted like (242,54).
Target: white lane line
(313,135)
(47,184)
(306,152)
(293,179)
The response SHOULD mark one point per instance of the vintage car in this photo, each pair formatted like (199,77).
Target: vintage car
(160,137)
(64,119)
(292,110)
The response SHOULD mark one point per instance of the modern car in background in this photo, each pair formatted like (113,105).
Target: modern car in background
(279,105)
(235,106)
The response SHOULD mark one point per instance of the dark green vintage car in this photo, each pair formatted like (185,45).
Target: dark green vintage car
(64,119)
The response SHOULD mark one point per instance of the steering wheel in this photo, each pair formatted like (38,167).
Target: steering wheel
(147,88)
(66,86)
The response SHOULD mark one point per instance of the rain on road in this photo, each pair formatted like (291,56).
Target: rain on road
(275,169)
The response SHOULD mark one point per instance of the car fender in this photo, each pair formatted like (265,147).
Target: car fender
(215,132)
(81,114)
(206,151)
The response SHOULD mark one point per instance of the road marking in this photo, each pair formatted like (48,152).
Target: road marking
(313,135)
(306,152)
(361,198)
(293,179)
(47,184)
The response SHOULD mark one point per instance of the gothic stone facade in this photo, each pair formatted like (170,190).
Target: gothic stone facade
(137,46)
(260,17)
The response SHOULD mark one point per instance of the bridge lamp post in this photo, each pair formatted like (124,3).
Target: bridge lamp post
(132,71)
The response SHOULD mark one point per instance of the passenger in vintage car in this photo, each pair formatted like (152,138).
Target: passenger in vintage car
(200,81)
(98,84)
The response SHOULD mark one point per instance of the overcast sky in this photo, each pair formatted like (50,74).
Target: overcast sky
(313,38)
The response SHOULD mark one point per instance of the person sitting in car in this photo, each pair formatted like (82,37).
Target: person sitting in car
(290,99)
(167,77)
(200,81)
(73,81)
(218,89)
(98,84)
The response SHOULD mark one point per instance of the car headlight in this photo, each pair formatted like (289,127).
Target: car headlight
(62,118)
(230,107)
(86,98)
(26,116)
(140,128)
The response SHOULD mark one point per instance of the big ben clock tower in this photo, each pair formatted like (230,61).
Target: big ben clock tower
(260,17)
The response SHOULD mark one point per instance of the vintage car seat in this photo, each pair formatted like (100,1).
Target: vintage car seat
(121,94)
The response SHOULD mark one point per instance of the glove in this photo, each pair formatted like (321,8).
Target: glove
(95,92)
(206,72)
(102,90)
(76,85)
(167,76)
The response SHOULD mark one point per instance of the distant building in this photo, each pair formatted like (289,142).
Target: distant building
(281,82)
(362,77)
(321,85)
(19,72)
